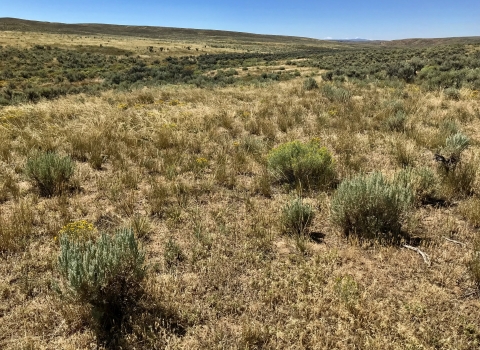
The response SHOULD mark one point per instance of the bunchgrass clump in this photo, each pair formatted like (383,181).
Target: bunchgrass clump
(16,228)
(369,206)
(106,273)
(306,164)
(173,254)
(50,172)
(397,122)
(297,217)
(474,264)
(460,181)
(470,210)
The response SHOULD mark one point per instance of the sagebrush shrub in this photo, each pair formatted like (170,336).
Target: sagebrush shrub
(310,84)
(297,217)
(106,273)
(50,172)
(336,94)
(422,181)
(369,206)
(455,145)
(306,164)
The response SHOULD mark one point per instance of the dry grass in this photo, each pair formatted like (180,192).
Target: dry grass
(114,44)
(186,168)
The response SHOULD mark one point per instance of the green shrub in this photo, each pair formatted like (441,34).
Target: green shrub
(305,164)
(327,76)
(336,94)
(455,145)
(106,273)
(310,84)
(369,206)
(50,172)
(422,181)
(297,217)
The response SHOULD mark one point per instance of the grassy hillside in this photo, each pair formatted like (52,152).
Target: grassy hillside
(314,198)
(160,33)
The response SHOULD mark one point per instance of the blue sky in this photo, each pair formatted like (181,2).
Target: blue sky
(370,19)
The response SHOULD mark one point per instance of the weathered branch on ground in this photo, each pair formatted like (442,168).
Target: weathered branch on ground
(454,241)
(424,255)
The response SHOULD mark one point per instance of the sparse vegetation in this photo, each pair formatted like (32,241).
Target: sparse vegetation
(205,162)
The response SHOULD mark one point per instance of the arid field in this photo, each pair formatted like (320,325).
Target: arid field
(239,253)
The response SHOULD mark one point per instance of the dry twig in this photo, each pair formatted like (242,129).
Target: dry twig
(424,256)
(454,241)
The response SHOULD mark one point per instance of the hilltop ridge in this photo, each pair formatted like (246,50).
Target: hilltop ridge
(15,24)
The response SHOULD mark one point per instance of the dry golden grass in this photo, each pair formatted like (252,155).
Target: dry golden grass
(117,44)
(186,168)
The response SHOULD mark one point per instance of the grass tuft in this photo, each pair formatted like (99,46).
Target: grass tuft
(297,217)
(50,172)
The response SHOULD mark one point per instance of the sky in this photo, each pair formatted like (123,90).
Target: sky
(347,19)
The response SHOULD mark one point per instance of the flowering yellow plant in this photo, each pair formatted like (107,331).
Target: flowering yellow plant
(174,102)
(202,161)
(332,112)
(81,230)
